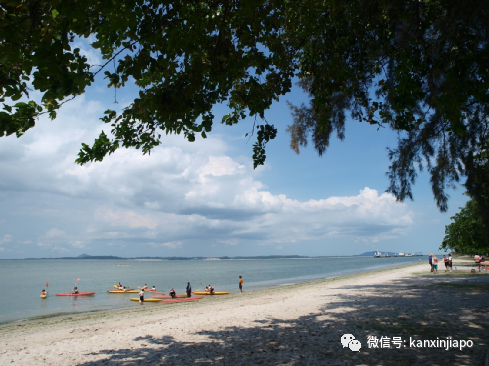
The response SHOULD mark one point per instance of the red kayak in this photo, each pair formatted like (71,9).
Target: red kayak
(183,300)
(73,294)
(154,291)
(168,296)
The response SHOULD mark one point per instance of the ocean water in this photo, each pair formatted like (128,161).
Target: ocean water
(23,280)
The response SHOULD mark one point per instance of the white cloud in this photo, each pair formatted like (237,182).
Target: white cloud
(182,192)
(59,249)
(172,244)
(55,234)
(169,245)
(80,245)
(7,238)
(228,241)
(126,218)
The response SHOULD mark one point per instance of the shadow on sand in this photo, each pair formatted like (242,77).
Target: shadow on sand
(421,308)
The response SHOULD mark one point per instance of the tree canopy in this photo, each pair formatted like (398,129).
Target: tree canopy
(466,234)
(418,67)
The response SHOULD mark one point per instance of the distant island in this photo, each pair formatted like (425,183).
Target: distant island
(86,256)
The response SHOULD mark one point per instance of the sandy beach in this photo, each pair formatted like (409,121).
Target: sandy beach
(290,325)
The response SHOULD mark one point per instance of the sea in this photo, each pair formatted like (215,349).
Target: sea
(23,280)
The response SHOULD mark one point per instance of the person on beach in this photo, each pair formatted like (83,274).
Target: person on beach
(435,264)
(189,289)
(75,290)
(211,289)
(240,284)
(450,259)
(172,293)
(430,261)
(477,260)
(445,261)
(141,295)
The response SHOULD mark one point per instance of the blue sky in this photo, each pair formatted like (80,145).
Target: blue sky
(204,198)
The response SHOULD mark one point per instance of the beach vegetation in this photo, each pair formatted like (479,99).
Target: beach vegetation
(466,234)
(417,67)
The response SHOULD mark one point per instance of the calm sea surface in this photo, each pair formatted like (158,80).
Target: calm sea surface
(22,280)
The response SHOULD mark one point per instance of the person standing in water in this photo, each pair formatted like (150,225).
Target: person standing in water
(189,290)
(240,284)
(141,295)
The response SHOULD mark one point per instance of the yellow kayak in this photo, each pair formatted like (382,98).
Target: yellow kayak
(208,293)
(146,300)
(117,287)
(43,296)
(123,292)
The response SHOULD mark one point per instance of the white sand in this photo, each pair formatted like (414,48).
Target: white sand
(291,325)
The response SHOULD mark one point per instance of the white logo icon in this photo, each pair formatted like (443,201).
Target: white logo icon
(348,340)
(355,345)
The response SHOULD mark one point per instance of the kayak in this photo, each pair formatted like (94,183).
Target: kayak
(117,287)
(128,291)
(168,296)
(184,300)
(145,300)
(43,296)
(208,293)
(154,291)
(73,294)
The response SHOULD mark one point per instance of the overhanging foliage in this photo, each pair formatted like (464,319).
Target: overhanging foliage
(418,67)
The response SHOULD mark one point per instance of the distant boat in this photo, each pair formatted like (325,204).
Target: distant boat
(378,255)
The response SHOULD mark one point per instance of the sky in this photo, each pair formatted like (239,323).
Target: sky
(204,198)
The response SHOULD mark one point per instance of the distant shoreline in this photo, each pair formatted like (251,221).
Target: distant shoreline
(101,257)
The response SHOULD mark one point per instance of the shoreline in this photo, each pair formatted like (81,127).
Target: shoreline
(257,291)
(300,324)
